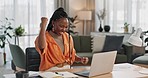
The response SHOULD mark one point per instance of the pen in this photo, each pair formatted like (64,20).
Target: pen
(59,73)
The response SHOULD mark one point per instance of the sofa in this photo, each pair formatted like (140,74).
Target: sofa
(141,60)
(83,47)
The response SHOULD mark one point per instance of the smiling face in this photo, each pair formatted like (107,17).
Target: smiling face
(60,26)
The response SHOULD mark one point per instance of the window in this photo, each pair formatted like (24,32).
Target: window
(26,13)
(133,12)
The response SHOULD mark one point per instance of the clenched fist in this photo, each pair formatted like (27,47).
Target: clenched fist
(84,60)
(44,21)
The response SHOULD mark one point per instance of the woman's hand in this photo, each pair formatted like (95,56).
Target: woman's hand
(84,60)
(44,21)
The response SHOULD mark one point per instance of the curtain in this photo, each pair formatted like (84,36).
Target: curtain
(134,12)
(6,11)
(62,3)
(90,25)
(26,13)
(139,14)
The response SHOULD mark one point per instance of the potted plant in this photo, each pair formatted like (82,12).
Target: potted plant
(6,28)
(126,27)
(101,15)
(72,22)
(19,31)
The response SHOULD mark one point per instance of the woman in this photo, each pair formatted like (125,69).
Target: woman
(53,43)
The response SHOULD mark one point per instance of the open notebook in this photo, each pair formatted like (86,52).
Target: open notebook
(102,63)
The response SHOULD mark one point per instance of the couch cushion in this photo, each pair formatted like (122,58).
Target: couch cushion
(98,43)
(85,42)
(112,43)
(76,40)
(121,58)
(86,54)
(141,60)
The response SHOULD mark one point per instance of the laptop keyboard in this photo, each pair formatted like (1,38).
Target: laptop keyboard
(83,73)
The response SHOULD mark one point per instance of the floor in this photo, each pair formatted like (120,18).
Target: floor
(6,69)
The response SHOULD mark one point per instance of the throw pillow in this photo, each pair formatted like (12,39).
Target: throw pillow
(112,43)
(85,42)
(97,43)
(76,40)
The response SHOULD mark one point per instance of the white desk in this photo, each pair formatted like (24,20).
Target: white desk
(124,70)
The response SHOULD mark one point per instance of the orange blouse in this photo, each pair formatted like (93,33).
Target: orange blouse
(52,53)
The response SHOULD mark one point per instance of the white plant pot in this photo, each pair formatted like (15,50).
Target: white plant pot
(1,59)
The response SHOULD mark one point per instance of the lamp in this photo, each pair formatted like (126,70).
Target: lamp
(135,38)
(84,15)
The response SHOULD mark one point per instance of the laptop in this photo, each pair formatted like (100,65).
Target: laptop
(102,63)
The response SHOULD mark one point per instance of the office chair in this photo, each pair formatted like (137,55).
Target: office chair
(28,62)
(18,56)
(32,59)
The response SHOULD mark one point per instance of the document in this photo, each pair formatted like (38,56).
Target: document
(9,76)
(33,73)
(57,74)
(126,70)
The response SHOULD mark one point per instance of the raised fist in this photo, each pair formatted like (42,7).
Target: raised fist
(44,21)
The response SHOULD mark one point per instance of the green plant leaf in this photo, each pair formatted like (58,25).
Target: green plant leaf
(5,31)
(19,30)
(3,45)
(7,23)
(9,35)
(6,18)
(2,41)
(9,28)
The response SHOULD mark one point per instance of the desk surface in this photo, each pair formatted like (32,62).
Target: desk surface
(124,70)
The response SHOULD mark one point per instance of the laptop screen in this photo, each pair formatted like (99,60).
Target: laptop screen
(102,63)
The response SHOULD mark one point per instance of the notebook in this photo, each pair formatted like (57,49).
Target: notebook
(102,63)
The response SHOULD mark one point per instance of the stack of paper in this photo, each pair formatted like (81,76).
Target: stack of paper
(57,74)
(9,76)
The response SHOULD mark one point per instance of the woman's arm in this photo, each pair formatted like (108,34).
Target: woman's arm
(41,37)
(83,60)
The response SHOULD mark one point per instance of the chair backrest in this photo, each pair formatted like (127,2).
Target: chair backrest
(18,56)
(32,59)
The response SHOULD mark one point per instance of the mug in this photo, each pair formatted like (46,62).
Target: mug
(22,74)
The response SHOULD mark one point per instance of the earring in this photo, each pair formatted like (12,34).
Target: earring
(53,29)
